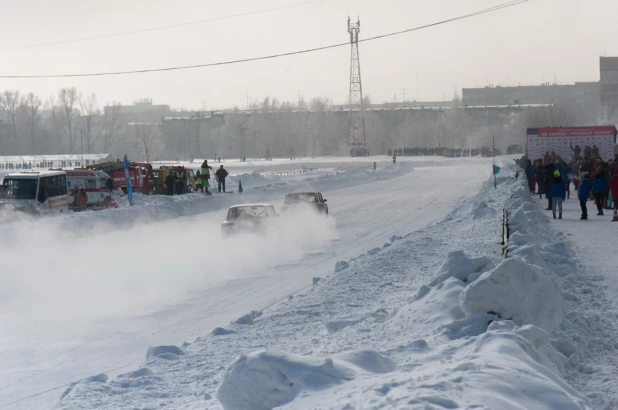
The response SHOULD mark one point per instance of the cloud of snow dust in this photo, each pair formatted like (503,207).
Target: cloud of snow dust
(52,273)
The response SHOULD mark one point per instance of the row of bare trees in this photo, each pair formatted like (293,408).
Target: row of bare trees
(30,125)
(70,121)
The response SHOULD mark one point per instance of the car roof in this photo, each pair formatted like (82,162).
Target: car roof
(247,205)
(304,193)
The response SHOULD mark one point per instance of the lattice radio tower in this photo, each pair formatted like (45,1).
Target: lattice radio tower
(356,117)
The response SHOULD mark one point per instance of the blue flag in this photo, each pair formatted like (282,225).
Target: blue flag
(128,178)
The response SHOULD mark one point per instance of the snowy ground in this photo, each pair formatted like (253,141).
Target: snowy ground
(95,296)
(430,319)
(392,303)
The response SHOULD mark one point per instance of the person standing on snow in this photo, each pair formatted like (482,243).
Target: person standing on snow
(557,193)
(540,179)
(180,181)
(599,189)
(170,181)
(394,159)
(221,174)
(614,187)
(205,173)
(199,185)
(530,172)
(565,171)
(583,193)
(549,175)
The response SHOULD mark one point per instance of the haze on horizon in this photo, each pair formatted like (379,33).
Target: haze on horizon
(539,41)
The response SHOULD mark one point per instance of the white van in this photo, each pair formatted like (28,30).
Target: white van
(99,186)
(38,192)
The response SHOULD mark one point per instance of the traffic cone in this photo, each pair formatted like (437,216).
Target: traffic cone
(615,218)
(239,187)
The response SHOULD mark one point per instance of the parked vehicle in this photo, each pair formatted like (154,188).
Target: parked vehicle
(160,174)
(36,192)
(299,200)
(248,218)
(98,185)
(140,174)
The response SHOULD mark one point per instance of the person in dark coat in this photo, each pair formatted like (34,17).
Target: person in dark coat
(613,183)
(530,173)
(599,189)
(221,174)
(557,193)
(170,181)
(549,175)
(583,193)
(540,179)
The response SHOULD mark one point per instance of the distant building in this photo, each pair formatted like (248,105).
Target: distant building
(141,111)
(584,93)
(190,135)
(609,82)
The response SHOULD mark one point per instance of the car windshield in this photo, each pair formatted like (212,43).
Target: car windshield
(20,188)
(291,199)
(246,212)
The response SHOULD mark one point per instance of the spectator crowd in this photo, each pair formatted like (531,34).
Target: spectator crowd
(593,179)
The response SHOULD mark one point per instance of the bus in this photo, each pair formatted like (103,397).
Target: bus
(36,192)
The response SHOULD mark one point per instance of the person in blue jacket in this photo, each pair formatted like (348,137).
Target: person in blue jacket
(566,170)
(583,193)
(599,186)
(557,193)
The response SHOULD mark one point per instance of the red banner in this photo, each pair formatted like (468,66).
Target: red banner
(577,132)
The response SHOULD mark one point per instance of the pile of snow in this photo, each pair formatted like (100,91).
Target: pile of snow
(436,319)
(515,291)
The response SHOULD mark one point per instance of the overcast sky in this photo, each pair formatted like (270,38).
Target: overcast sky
(527,44)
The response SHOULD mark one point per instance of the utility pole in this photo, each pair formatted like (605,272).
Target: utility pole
(247,97)
(356,115)
(81,143)
(241,131)
(403,97)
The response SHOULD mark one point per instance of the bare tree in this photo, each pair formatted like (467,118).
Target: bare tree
(148,140)
(67,98)
(10,102)
(55,117)
(111,125)
(32,105)
(90,111)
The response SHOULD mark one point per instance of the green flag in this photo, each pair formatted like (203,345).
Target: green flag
(496,169)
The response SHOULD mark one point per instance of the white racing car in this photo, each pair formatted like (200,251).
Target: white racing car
(252,218)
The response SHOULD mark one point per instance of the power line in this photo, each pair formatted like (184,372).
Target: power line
(246,60)
(190,23)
